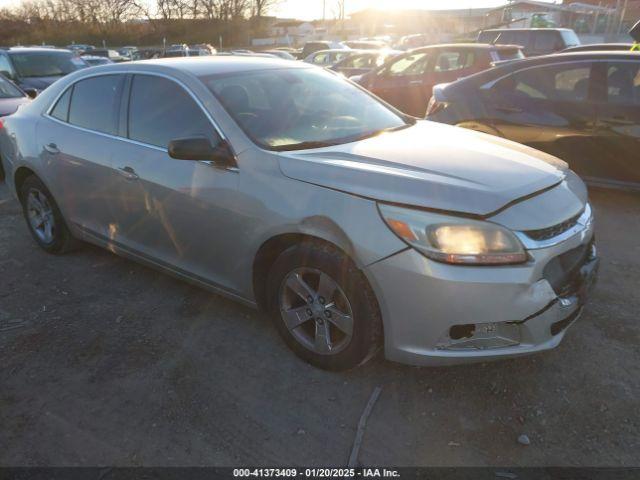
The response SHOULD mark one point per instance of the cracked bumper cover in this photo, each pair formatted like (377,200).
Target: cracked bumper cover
(514,309)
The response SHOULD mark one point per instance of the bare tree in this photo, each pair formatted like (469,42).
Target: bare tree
(261,7)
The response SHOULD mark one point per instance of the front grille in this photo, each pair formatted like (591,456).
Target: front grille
(555,230)
(562,272)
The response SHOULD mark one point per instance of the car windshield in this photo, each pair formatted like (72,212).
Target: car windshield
(8,90)
(290,109)
(45,64)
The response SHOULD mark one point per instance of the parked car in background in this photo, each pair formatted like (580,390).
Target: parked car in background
(280,54)
(326,58)
(366,44)
(203,49)
(37,68)
(364,62)
(80,48)
(288,188)
(600,47)
(11,97)
(112,55)
(409,42)
(312,47)
(581,107)
(94,60)
(128,51)
(406,81)
(534,41)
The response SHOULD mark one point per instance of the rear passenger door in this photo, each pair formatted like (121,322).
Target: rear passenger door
(177,213)
(618,125)
(76,137)
(548,107)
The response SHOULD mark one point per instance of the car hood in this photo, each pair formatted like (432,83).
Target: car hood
(10,105)
(430,165)
(39,83)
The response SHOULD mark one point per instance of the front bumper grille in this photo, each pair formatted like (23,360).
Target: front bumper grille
(555,230)
(564,271)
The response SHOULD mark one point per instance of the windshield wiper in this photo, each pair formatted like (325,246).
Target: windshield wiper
(340,141)
(306,145)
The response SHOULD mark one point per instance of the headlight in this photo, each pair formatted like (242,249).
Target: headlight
(454,239)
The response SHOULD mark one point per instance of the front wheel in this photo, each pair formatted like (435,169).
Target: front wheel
(323,307)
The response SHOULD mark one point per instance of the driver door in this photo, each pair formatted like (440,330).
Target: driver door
(177,213)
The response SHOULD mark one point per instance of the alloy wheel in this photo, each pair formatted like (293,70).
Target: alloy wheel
(316,311)
(40,216)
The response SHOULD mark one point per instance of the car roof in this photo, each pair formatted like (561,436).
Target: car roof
(208,65)
(548,29)
(512,66)
(476,46)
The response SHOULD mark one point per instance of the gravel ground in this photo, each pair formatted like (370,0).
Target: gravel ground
(105,362)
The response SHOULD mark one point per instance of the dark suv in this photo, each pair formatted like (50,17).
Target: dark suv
(534,41)
(37,68)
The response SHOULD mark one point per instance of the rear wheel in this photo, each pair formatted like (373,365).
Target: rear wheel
(323,307)
(44,219)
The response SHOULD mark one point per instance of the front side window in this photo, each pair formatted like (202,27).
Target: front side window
(288,109)
(45,64)
(94,103)
(160,111)
(559,83)
(623,83)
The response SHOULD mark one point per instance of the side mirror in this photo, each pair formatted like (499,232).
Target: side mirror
(31,92)
(200,148)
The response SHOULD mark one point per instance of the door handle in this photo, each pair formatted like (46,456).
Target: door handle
(52,148)
(505,109)
(416,82)
(128,173)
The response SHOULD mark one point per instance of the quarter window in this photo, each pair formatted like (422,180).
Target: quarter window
(623,84)
(95,102)
(61,110)
(161,111)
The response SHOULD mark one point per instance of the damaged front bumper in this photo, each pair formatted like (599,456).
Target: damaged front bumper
(440,314)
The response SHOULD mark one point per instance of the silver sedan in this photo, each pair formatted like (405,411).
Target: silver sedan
(290,189)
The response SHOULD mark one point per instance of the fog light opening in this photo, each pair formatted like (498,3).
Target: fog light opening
(458,332)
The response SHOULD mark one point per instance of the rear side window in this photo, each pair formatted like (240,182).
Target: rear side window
(449,61)
(623,83)
(161,111)
(547,41)
(61,110)
(559,82)
(503,54)
(94,103)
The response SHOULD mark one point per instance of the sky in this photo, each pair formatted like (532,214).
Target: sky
(312,9)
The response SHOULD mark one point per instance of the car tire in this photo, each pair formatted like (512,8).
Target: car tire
(317,328)
(43,217)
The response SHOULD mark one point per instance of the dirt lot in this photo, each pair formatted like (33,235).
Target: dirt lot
(106,362)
